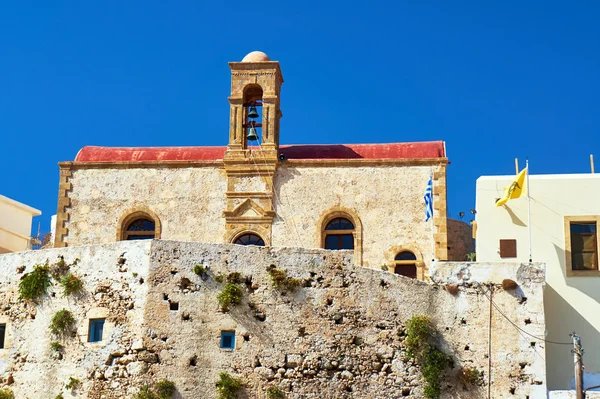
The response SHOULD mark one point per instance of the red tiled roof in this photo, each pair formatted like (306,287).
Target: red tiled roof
(433,149)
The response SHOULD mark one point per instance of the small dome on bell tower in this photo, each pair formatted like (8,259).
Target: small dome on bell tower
(256,56)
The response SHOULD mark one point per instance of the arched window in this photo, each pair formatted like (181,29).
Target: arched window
(250,239)
(140,229)
(339,234)
(406,264)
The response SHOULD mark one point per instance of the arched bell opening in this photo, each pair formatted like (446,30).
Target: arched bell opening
(253,116)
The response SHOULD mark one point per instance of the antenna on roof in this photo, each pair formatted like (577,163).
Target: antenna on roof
(592,162)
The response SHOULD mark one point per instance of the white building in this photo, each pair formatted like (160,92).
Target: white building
(565,211)
(15,225)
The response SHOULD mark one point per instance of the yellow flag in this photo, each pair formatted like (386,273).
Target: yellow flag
(516,188)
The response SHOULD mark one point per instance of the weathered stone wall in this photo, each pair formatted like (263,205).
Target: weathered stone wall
(335,337)
(388,201)
(460,240)
(188,201)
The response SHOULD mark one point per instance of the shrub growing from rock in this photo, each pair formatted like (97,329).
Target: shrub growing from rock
(62,323)
(230,295)
(432,361)
(228,387)
(274,392)
(6,394)
(35,284)
(163,389)
(281,280)
(71,284)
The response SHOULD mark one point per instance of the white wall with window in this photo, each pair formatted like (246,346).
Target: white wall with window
(565,219)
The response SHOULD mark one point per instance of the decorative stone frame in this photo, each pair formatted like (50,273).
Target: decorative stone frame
(262,232)
(7,336)
(390,259)
(137,213)
(569,272)
(83,330)
(347,213)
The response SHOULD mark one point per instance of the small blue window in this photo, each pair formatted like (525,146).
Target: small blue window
(227,339)
(96,327)
(2,334)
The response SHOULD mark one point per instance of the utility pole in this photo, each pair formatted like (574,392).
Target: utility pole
(578,353)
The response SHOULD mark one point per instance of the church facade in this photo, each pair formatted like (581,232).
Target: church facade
(367,198)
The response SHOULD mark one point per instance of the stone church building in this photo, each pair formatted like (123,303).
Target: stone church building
(367,198)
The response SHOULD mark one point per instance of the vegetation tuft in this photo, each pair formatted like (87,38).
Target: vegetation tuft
(71,284)
(56,346)
(470,376)
(281,280)
(59,396)
(62,323)
(163,389)
(274,392)
(228,387)
(73,383)
(199,269)
(231,294)
(6,394)
(385,268)
(235,278)
(35,284)
(432,361)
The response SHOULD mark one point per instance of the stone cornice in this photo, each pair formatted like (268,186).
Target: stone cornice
(249,166)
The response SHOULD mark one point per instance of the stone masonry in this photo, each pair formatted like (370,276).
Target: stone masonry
(339,335)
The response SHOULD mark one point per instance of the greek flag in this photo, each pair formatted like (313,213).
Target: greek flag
(429,200)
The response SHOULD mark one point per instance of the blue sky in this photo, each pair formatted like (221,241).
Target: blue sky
(517,79)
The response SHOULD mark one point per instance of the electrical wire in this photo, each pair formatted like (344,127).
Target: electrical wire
(519,328)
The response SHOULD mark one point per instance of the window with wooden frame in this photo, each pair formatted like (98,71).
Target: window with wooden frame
(249,239)
(406,264)
(339,234)
(95,330)
(581,246)
(140,229)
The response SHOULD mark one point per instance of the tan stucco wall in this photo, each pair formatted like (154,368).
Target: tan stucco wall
(189,202)
(571,303)
(388,201)
(15,225)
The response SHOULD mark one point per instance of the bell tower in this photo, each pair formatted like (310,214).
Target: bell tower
(251,156)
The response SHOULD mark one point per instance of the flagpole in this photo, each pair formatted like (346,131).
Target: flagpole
(528,209)
(432,223)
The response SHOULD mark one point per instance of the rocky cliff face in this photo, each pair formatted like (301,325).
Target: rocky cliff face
(339,334)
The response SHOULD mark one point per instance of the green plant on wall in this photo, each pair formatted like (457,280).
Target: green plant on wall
(56,346)
(274,392)
(163,389)
(470,376)
(228,387)
(471,256)
(71,284)
(231,294)
(199,269)
(6,394)
(432,361)
(281,280)
(62,323)
(73,383)
(34,285)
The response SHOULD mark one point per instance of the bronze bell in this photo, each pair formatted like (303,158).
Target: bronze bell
(252,136)
(252,112)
